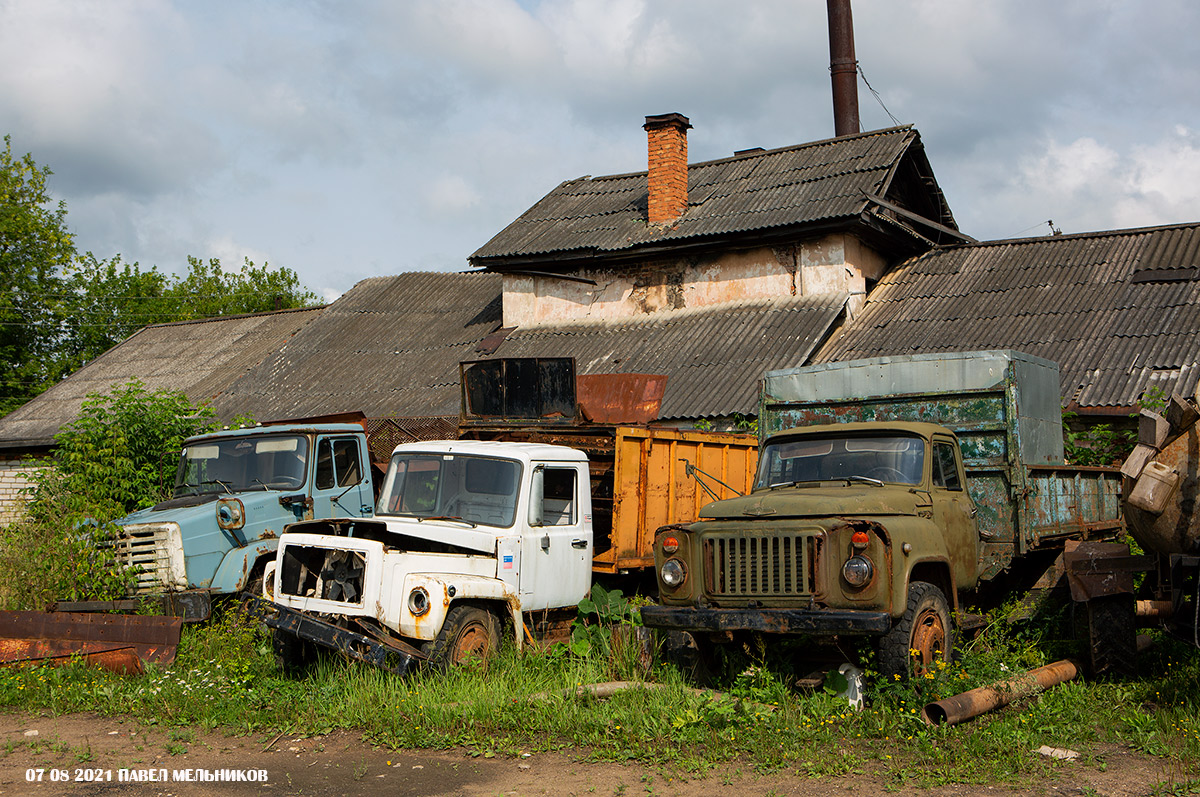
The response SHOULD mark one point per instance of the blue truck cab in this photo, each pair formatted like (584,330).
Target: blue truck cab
(234,492)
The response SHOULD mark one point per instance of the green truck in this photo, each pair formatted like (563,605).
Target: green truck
(888,491)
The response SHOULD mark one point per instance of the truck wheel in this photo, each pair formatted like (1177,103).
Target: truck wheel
(468,632)
(1112,636)
(698,659)
(921,637)
(293,654)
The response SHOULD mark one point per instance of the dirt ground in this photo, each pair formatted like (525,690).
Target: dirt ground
(82,754)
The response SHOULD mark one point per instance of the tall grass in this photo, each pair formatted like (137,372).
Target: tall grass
(225,678)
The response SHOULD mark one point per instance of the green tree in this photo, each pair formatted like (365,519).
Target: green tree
(118,456)
(208,291)
(106,301)
(59,311)
(34,246)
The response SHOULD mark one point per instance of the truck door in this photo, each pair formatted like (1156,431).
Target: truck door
(954,511)
(342,480)
(556,552)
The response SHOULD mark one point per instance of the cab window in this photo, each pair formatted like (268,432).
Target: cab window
(337,463)
(945,469)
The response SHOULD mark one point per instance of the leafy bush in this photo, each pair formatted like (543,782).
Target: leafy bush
(118,456)
(1100,444)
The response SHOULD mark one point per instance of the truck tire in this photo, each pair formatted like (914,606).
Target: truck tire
(925,628)
(293,654)
(468,631)
(1112,636)
(699,660)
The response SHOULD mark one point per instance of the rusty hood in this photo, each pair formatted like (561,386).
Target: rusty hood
(819,501)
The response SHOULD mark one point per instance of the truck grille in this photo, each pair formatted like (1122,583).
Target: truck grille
(145,548)
(782,564)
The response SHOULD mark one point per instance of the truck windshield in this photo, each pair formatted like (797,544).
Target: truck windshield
(482,490)
(238,464)
(886,458)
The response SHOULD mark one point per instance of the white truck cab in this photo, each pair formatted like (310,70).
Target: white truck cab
(467,537)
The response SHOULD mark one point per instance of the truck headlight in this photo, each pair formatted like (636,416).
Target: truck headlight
(672,573)
(858,571)
(418,602)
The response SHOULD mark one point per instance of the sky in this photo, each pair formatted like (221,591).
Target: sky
(359,138)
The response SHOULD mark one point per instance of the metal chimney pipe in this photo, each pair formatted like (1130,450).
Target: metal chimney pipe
(843,68)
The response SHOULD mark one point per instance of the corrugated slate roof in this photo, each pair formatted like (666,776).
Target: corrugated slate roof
(201,358)
(713,356)
(1119,311)
(750,193)
(388,346)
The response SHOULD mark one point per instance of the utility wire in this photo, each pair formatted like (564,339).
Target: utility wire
(878,99)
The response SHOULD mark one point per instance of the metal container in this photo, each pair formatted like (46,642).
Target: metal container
(1176,529)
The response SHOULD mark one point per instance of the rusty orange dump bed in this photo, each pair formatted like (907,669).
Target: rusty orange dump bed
(640,478)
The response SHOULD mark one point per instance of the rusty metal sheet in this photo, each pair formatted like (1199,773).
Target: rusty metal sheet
(621,398)
(120,659)
(153,638)
(1096,569)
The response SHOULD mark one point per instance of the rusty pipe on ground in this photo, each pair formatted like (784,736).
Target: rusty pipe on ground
(969,705)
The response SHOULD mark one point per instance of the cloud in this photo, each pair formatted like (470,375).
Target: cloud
(1086,184)
(360,137)
(87,87)
(450,195)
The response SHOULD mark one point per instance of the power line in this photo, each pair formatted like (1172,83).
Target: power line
(878,99)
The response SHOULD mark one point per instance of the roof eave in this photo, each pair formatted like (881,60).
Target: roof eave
(869,227)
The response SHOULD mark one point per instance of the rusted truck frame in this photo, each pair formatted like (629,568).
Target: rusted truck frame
(643,476)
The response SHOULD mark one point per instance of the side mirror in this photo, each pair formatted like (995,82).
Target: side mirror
(536,496)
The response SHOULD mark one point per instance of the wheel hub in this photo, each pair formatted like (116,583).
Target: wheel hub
(928,641)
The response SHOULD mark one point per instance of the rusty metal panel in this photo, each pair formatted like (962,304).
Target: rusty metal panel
(61,633)
(1071,501)
(529,389)
(620,398)
(652,486)
(1096,569)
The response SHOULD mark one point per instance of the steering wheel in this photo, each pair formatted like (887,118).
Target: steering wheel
(885,474)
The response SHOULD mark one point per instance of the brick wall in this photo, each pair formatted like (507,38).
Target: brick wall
(13,481)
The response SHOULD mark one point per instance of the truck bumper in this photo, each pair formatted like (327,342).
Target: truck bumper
(825,622)
(391,655)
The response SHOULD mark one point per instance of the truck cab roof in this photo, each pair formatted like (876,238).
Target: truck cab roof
(524,452)
(283,428)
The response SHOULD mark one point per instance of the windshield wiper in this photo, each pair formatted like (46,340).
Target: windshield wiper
(795,483)
(863,479)
(470,523)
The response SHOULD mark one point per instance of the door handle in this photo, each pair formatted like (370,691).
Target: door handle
(578,543)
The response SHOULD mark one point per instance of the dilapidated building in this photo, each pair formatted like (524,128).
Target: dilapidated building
(708,273)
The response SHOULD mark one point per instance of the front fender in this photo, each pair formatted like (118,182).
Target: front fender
(445,589)
(234,571)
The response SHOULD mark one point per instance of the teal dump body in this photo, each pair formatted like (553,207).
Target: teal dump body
(1004,408)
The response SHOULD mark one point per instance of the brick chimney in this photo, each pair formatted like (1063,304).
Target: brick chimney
(667,143)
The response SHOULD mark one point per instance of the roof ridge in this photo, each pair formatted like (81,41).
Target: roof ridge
(234,317)
(1071,236)
(751,154)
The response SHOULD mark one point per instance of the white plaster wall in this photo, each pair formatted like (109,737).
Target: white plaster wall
(831,264)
